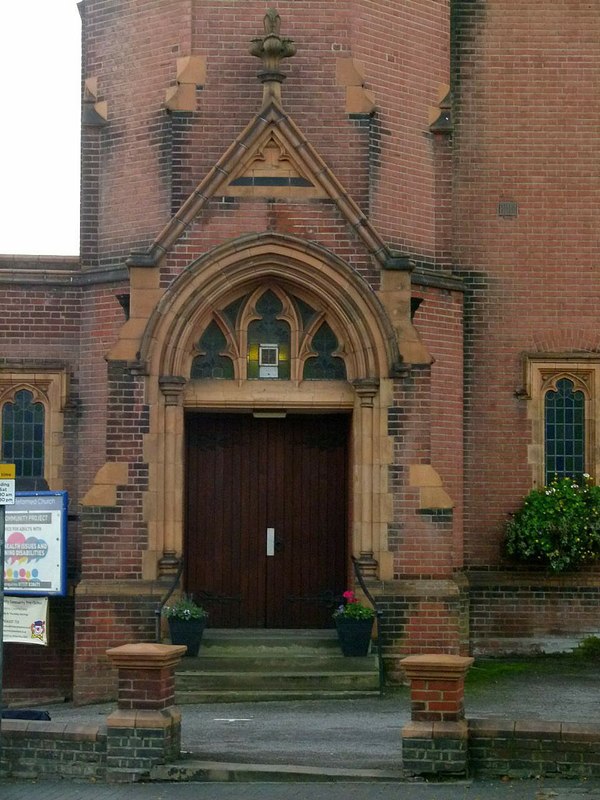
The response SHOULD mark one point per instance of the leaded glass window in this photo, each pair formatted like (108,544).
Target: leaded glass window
(268,334)
(23,435)
(211,363)
(324,365)
(564,421)
(306,312)
(232,310)
(268,339)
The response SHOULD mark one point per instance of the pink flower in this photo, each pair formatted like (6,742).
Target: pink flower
(349,597)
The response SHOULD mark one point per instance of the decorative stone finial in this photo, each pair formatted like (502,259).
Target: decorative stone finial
(272,48)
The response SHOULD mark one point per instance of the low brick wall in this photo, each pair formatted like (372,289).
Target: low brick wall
(526,749)
(51,750)
(494,748)
(438,741)
(144,731)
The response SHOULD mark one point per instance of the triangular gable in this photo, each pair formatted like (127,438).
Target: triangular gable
(272,170)
(271,158)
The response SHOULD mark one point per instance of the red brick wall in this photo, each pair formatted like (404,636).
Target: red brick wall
(102,317)
(439,323)
(525,87)
(405,48)
(40,321)
(103,622)
(132,49)
(524,612)
(149,160)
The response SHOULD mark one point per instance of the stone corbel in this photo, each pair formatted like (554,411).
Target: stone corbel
(191,75)
(350,73)
(440,116)
(395,294)
(104,489)
(432,495)
(94,111)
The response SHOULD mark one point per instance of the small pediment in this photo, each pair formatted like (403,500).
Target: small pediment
(271,170)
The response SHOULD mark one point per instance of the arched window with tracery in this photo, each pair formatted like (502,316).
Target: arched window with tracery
(212,361)
(564,431)
(269,334)
(324,364)
(23,434)
(269,338)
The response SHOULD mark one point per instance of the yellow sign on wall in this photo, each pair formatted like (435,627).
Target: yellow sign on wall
(7,472)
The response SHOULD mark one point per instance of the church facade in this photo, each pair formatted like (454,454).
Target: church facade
(334,257)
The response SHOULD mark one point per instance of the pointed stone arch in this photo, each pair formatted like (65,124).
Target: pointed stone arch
(359,316)
(370,351)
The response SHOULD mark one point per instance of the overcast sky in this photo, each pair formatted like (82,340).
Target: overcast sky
(39,136)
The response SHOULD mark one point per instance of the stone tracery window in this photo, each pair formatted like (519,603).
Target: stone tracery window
(32,404)
(564,406)
(564,435)
(268,334)
(211,362)
(23,426)
(325,364)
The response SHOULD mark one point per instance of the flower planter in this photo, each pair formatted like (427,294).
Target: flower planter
(188,632)
(354,636)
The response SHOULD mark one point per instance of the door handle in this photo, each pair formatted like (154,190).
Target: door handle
(270,541)
(273,545)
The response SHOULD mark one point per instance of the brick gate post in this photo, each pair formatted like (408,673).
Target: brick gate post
(435,740)
(146,728)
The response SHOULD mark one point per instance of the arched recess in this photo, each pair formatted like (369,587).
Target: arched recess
(47,386)
(370,351)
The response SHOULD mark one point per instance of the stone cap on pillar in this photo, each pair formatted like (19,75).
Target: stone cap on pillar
(436,666)
(146,655)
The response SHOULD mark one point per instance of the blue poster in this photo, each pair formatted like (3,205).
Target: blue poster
(35,544)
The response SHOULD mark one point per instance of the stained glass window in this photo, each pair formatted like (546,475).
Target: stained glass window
(324,365)
(306,312)
(564,421)
(23,435)
(232,310)
(268,334)
(211,363)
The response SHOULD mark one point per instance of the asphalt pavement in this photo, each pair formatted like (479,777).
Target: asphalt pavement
(360,733)
(357,734)
(458,790)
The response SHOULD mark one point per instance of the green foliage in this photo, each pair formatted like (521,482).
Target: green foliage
(352,608)
(184,608)
(589,648)
(558,525)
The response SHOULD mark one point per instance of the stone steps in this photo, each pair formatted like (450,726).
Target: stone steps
(249,665)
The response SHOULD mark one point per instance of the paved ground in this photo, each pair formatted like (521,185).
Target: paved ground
(358,733)
(349,733)
(465,790)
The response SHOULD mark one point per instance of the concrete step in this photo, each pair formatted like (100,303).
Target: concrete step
(197,771)
(250,662)
(277,680)
(267,695)
(250,665)
(268,642)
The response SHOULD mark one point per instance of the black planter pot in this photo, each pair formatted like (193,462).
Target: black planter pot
(354,635)
(188,632)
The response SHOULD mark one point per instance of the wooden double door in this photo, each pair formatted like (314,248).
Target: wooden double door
(267,518)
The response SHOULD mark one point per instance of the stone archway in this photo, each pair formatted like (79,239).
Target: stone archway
(370,354)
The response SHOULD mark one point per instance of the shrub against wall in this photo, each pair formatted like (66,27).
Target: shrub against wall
(558,525)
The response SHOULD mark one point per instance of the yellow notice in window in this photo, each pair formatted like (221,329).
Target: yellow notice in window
(7,472)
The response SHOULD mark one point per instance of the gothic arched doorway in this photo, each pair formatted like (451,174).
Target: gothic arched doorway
(275,330)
